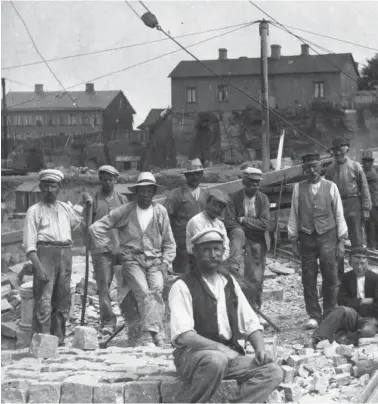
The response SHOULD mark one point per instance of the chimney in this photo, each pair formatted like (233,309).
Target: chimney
(222,54)
(305,50)
(38,88)
(89,88)
(275,52)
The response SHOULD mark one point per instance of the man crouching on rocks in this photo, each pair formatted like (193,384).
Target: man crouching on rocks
(147,248)
(208,313)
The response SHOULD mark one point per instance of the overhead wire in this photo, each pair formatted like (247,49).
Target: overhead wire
(159,28)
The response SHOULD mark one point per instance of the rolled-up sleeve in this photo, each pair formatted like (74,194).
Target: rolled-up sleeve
(292,226)
(226,241)
(338,211)
(247,319)
(30,236)
(181,310)
(168,244)
(364,189)
(191,230)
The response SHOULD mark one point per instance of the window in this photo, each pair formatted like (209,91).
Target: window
(318,89)
(120,103)
(38,120)
(222,93)
(191,95)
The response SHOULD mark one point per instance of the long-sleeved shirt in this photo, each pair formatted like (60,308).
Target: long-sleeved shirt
(200,222)
(181,308)
(351,181)
(337,207)
(49,223)
(155,242)
(372,179)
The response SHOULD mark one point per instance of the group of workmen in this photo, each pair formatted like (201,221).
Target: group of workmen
(210,240)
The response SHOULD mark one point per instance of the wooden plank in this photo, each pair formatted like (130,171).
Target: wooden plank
(11,237)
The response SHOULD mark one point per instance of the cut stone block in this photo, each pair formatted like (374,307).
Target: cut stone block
(343,379)
(9,329)
(109,393)
(346,350)
(44,392)
(142,392)
(293,392)
(14,391)
(340,360)
(227,391)
(5,290)
(174,391)
(5,306)
(281,269)
(366,366)
(78,389)
(288,374)
(23,339)
(346,368)
(368,341)
(44,346)
(321,384)
(85,338)
(323,344)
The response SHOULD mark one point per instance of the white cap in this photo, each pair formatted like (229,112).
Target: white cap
(51,175)
(206,236)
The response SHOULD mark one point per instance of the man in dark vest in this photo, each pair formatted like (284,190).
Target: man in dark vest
(209,312)
(317,230)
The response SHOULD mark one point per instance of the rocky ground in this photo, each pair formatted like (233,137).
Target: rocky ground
(122,373)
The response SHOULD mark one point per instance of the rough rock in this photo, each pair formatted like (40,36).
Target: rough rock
(85,338)
(330,351)
(9,329)
(44,346)
(5,290)
(292,392)
(44,392)
(142,392)
(289,373)
(109,393)
(281,269)
(323,344)
(23,339)
(343,379)
(321,384)
(346,350)
(348,392)
(366,366)
(339,360)
(346,368)
(5,306)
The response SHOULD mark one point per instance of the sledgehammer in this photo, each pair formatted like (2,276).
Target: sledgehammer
(104,344)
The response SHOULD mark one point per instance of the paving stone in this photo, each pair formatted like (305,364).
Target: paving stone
(292,392)
(306,351)
(69,351)
(142,392)
(78,389)
(60,359)
(346,368)
(339,360)
(303,371)
(321,384)
(368,341)
(22,374)
(85,338)
(9,329)
(55,376)
(68,366)
(44,346)
(174,391)
(118,377)
(343,379)
(346,350)
(44,392)
(294,360)
(14,391)
(107,393)
(33,364)
(89,358)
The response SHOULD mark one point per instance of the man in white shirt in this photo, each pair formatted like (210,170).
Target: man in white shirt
(47,240)
(209,312)
(317,230)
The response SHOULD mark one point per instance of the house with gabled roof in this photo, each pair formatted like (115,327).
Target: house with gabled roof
(294,81)
(43,113)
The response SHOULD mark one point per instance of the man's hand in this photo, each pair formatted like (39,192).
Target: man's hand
(40,274)
(340,250)
(87,198)
(367,300)
(295,247)
(164,269)
(366,215)
(262,358)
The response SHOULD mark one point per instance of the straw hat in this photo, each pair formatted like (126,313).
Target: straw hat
(144,179)
(193,166)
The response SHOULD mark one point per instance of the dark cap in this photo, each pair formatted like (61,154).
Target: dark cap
(339,142)
(359,251)
(218,195)
(367,155)
(307,158)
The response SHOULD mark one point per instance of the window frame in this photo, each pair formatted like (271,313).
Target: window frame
(189,95)
(219,87)
(319,88)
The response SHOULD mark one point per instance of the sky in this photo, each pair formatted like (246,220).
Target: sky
(61,28)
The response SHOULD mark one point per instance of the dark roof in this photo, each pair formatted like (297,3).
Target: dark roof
(151,118)
(29,186)
(251,66)
(58,100)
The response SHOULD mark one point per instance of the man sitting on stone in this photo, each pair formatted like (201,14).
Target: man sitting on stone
(357,314)
(209,312)
(147,248)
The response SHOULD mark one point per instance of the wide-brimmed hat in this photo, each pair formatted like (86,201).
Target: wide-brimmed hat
(339,142)
(144,179)
(108,169)
(206,236)
(218,195)
(367,155)
(253,173)
(193,166)
(51,175)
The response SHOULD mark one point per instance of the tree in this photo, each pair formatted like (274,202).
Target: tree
(369,74)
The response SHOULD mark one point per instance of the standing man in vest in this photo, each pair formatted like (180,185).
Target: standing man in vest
(371,226)
(105,200)
(247,224)
(182,204)
(317,230)
(351,181)
(147,247)
(209,312)
(47,241)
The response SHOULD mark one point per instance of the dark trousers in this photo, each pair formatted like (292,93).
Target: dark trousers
(371,228)
(323,247)
(353,217)
(205,370)
(103,267)
(344,325)
(52,299)
(181,262)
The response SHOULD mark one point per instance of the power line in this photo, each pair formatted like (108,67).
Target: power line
(159,28)
(39,53)
(120,47)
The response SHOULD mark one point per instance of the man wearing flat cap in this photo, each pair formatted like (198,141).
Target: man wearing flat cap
(317,230)
(371,226)
(350,178)
(209,313)
(182,204)
(357,314)
(147,248)
(216,204)
(247,223)
(104,259)
(47,241)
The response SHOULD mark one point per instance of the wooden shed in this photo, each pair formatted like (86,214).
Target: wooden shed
(27,194)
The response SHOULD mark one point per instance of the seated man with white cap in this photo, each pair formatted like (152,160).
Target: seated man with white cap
(209,312)
(47,241)
(104,201)
(147,247)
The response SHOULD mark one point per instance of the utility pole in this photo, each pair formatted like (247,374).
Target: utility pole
(4,123)
(265,139)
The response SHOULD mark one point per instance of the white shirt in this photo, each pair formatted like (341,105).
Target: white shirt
(196,192)
(181,308)
(250,206)
(361,287)
(144,216)
(200,222)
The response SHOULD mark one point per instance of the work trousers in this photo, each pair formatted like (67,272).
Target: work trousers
(146,281)
(180,264)
(353,217)
(52,299)
(205,370)
(344,325)
(323,247)
(371,228)
(103,267)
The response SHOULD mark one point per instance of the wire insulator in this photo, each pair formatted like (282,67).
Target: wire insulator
(150,20)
